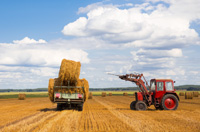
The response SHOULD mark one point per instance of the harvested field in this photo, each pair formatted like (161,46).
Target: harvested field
(109,113)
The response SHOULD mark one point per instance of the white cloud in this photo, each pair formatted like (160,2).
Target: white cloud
(44,71)
(10,75)
(40,55)
(158,53)
(161,27)
(27,40)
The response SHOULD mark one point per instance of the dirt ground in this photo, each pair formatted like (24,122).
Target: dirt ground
(99,114)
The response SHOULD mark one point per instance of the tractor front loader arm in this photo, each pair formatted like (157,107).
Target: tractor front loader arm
(137,79)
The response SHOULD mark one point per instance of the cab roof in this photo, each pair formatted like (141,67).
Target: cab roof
(158,79)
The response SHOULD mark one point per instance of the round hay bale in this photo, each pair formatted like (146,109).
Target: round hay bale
(103,94)
(110,94)
(90,96)
(22,96)
(188,95)
(69,72)
(125,94)
(83,83)
(50,89)
(181,94)
(195,94)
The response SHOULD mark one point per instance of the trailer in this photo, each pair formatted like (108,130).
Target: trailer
(68,100)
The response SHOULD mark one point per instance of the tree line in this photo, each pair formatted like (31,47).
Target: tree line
(182,87)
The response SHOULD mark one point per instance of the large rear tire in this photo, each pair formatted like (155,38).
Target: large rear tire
(140,105)
(169,102)
(132,105)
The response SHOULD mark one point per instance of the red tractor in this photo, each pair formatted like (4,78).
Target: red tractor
(161,93)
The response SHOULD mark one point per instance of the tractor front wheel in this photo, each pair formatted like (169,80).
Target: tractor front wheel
(140,105)
(132,105)
(169,102)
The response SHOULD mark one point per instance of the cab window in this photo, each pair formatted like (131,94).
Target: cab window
(168,86)
(159,86)
(153,86)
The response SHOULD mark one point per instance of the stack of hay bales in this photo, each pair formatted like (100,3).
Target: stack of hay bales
(195,94)
(69,76)
(82,83)
(110,94)
(103,94)
(125,94)
(90,96)
(181,94)
(188,95)
(50,89)
(22,96)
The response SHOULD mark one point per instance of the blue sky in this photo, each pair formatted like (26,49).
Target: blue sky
(160,38)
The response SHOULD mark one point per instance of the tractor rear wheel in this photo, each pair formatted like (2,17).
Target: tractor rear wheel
(132,105)
(140,105)
(169,102)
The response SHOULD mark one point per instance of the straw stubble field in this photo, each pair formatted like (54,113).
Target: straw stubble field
(109,113)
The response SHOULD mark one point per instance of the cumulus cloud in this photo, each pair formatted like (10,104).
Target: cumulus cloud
(157,53)
(28,63)
(40,55)
(27,40)
(163,26)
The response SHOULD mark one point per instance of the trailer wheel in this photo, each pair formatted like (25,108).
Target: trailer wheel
(80,107)
(59,106)
(169,102)
(140,105)
(132,105)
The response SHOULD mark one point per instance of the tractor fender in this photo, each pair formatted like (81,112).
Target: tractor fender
(173,94)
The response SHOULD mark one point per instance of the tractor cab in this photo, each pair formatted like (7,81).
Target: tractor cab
(161,86)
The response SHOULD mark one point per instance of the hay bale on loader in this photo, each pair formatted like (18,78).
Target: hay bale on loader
(195,94)
(125,94)
(69,71)
(22,96)
(181,94)
(188,95)
(103,94)
(110,94)
(90,95)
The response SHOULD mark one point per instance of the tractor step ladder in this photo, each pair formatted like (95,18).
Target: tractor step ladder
(157,102)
